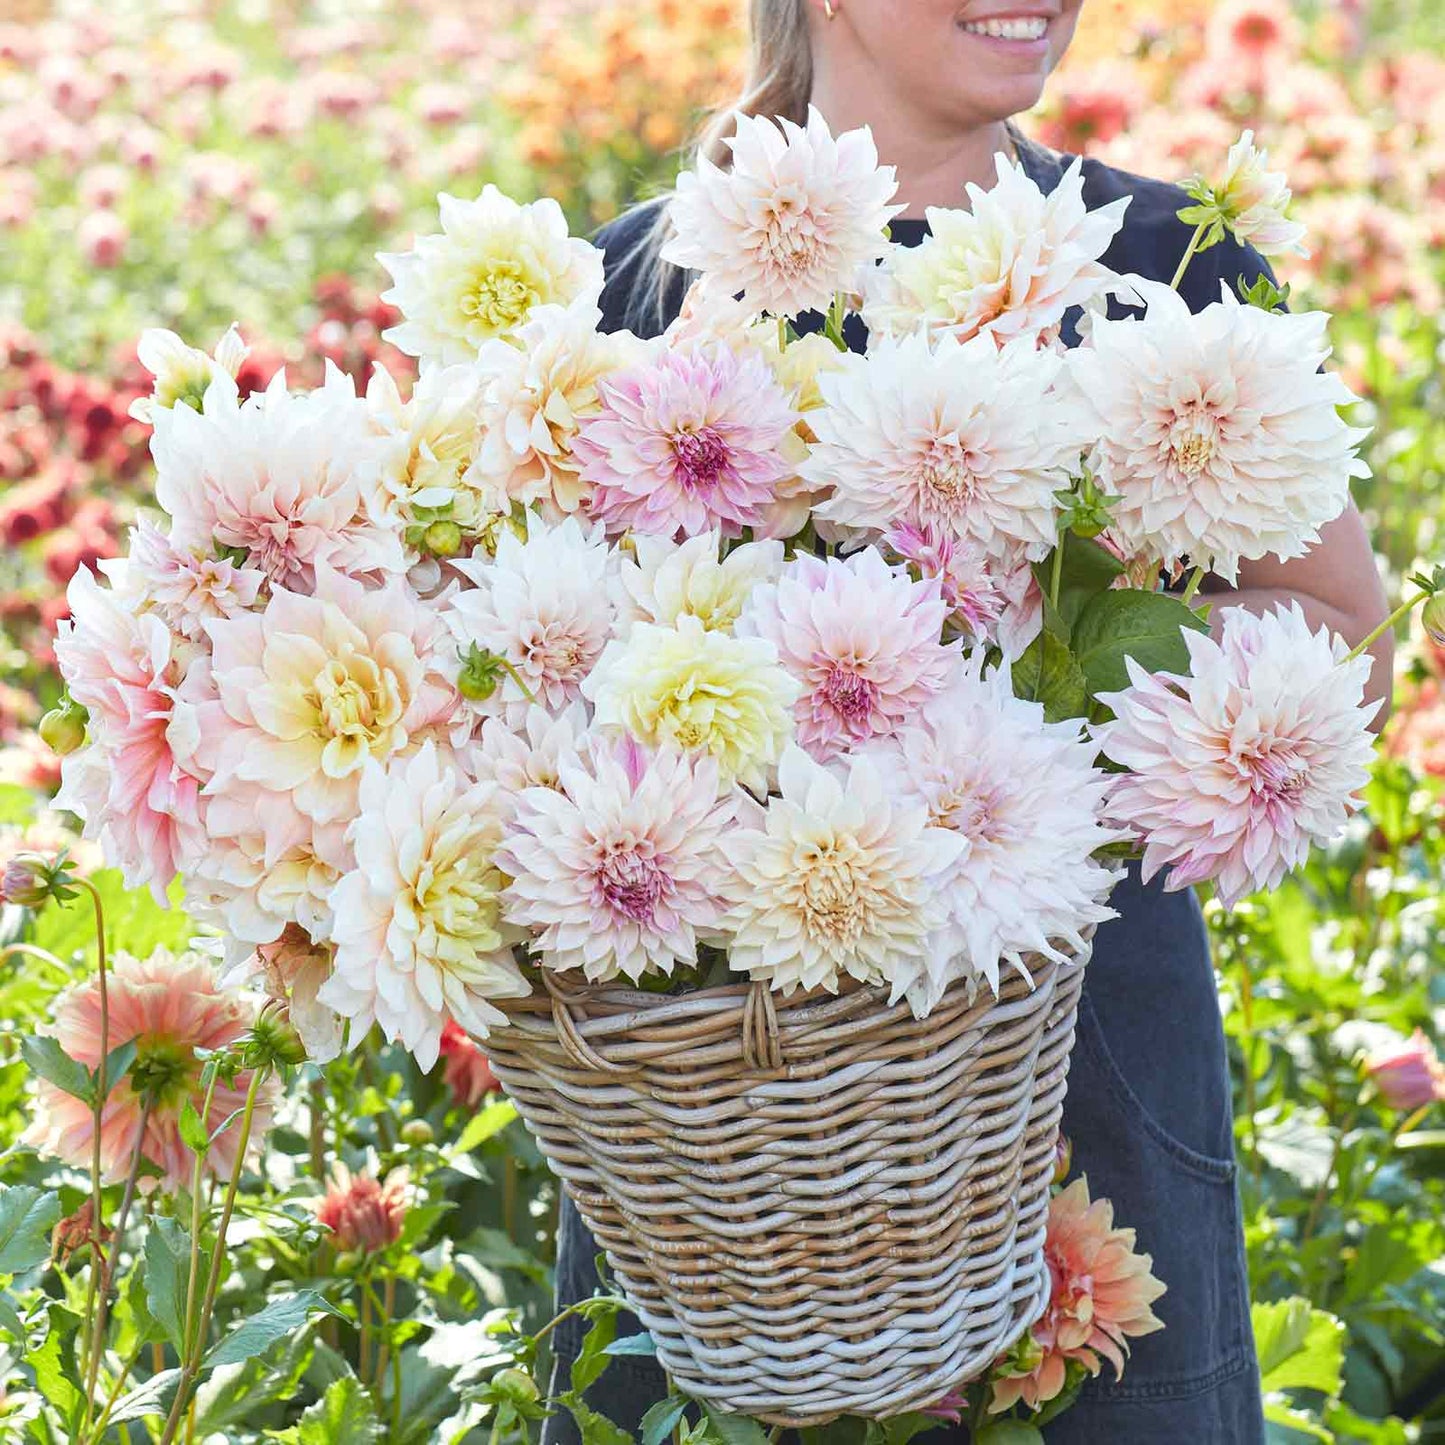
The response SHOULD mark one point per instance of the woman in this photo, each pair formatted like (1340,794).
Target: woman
(1148,1109)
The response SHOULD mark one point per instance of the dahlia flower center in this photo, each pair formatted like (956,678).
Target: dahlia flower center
(499,294)
(851,696)
(830,901)
(556,652)
(164,1071)
(356,705)
(947,472)
(454,898)
(1277,772)
(1192,443)
(974,812)
(631,884)
(699,458)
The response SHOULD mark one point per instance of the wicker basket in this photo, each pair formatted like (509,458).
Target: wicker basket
(817,1207)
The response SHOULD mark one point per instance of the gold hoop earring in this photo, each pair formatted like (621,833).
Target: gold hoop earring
(828,10)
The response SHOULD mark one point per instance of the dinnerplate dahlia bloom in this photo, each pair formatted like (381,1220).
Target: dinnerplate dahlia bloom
(169,1006)
(290,479)
(1217,431)
(669,580)
(620,870)
(837,877)
(686,441)
(793,220)
(419,932)
(963,436)
(862,640)
(1237,770)
(1024,797)
(491,265)
(1100,1299)
(1011,265)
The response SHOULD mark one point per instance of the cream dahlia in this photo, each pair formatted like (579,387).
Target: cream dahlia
(1023,796)
(290,480)
(838,877)
(620,871)
(699,691)
(687,579)
(182,373)
(1236,770)
(1011,266)
(419,932)
(1254,201)
(169,1006)
(1100,1298)
(862,640)
(792,221)
(542,604)
(686,441)
(184,586)
(530,754)
(541,384)
(293,969)
(1217,431)
(492,264)
(964,436)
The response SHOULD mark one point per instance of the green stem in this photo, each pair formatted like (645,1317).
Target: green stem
(1057,573)
(98,1433)
(1403,610)
(1317,1204)
(1251,1105)
(29,950)
(194,1272)
(1190,251)
(99,1254)
(196,1346)
(1192,586)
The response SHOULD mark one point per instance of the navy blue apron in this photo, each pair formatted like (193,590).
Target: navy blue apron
(1148,1109)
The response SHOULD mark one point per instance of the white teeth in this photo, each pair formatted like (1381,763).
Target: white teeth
(1031,28)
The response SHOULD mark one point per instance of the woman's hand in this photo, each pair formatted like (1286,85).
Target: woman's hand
(1337,585)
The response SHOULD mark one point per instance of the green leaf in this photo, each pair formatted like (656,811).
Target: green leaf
(168,1262)
(595,1429)
(1147,626)
(10,1321)
(641,1343)
(1086,571)
(56,1374)
(591,1360)
(661,1419)
(343,1416)
(27,1217)
(1299,1421)
(1048,672)
(134,921)
(277,1320)
(900,1429)
(481,1127)
(1010,1432)
(734,1429)
(1390,1254)
(148,1398)
(1300,1347)
(117,1066)
(45,1057)
(193,1130)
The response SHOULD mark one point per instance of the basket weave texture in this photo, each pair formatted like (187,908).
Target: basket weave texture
(817,1207)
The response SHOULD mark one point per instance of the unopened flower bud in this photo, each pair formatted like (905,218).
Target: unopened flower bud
(1063,1158)
(273,1042)
(442,539)
(516,1386)
(31,881)
(480,675)
(417,1132)
(348,1261)
(62,729)
(1432,617)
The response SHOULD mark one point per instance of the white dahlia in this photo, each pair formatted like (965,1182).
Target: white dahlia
(1236,770)
(699,691)
(543,605)
(1026,800)
(1011,266)
(1254,201)
(621,870)
(182,373)
(492,264)
(839,876)
(1218,431)
(792,221)
(419,933)
(290,480)
(541,384)
(966,436)
(529,755)
(687,579)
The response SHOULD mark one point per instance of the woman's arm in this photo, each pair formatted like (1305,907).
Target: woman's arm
(1336,585)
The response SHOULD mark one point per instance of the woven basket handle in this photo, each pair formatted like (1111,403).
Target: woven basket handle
(571,1037)
(762,1044)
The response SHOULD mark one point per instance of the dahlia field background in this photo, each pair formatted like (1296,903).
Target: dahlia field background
(387,1274)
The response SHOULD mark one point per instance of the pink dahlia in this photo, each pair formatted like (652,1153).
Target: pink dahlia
(686,442)
(184,586)
(1409,1075)
(171,1007)
(622,870)
(468,1075)
(363,1212)
(1236,770)
(138,800)
(862,639)
(1101,1297)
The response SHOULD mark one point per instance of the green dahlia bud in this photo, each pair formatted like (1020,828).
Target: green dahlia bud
(516,1386)
(62,729)
(273,1042)
(417,1132)
(1432,615)
(442,539)
(481,674)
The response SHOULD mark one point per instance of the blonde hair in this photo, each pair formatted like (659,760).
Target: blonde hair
(779,82)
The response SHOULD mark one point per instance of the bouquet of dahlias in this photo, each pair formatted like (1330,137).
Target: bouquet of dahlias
(729,655)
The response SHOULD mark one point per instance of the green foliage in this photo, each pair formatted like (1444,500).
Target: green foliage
(27,1215)
(343,1416)
(1122,623)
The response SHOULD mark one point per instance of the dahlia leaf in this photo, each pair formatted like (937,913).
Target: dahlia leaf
(1300,1347)
(1048,672)
(167,1256)
(735,1429)
(277,1320)
(595,1429)
(27,1215)
(45,1057)
(1086,571)
(592,1360)
(661,1419)
(1119,624)
(343,1416)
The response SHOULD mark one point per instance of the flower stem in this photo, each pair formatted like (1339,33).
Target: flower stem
(1189,253)
(1057,573)
(29,950)
(98,1433)
(98,1257)
(782,333)
(1403,610)
(194,1272)
(191,1366)
(1192,586)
